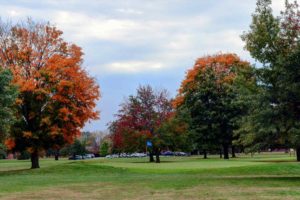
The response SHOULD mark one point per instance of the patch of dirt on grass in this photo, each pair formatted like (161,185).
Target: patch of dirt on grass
(138,192)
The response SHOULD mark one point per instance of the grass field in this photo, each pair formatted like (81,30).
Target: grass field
(268,176)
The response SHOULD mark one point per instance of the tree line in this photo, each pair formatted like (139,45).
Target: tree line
(223,104)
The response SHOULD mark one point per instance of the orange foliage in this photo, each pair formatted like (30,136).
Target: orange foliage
(30,149)
(222,65)
(56,93)
(27,134)
(10,143)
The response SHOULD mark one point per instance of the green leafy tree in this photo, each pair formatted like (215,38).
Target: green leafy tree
(78,148)
(8,94)
(174,133)
(3,151)
(104,148)
(274,42)
(23,155)
(204,105)
(212,98)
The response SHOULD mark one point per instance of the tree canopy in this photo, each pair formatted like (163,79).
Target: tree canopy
(211,97)
(56,95)
(139,120)
(274,41)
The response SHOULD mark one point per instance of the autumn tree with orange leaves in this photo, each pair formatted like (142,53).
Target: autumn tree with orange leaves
(56,95)
(211,94)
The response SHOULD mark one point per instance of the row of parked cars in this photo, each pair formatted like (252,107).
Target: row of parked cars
(127,155)
(140,155)
(82,157)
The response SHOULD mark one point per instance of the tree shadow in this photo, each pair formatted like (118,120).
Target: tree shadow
(276,161)
(270,178)
(145,162)
(15,171)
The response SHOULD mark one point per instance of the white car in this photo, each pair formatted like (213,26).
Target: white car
(90,155)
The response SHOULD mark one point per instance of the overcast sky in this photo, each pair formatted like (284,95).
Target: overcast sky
(128,43)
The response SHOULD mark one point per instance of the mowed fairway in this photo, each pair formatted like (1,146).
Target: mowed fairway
(269,176)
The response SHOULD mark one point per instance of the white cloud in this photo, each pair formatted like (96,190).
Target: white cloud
(129,11)
(278,5)
(13,11)
(134,66)
(176,38)
(83,27)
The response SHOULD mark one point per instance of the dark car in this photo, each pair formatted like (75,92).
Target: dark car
(168,153)
(76,157)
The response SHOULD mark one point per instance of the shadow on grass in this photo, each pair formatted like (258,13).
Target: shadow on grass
(277,161)
(147,162)
(15,171)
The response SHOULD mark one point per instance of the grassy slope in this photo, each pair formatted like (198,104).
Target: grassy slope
(262,177)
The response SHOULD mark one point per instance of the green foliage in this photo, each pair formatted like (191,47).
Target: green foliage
(65,151)
(262,40)
(204,104)
(78,148)
(274,41)
(216,97)
(3,151)
(8,94)
(174,133)
(104,149)
(23,155)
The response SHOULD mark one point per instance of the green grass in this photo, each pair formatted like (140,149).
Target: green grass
(265,176)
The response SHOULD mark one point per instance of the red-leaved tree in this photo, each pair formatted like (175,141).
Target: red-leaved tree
(139,120)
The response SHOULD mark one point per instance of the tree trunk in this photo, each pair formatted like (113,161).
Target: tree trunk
(157,156)
(35,160)
(221,154)
(151,158)
(233,151)
(204,154)
(56,154)
(298,153)
(225,151)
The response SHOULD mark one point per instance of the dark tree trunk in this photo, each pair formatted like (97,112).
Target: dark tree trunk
(151,158)
(233,151)
(221,154)
(298,153)
(56,154)
(35,160)
(157,156)
(204,154)
(225,151)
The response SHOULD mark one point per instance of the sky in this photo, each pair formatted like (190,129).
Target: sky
(128,43)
